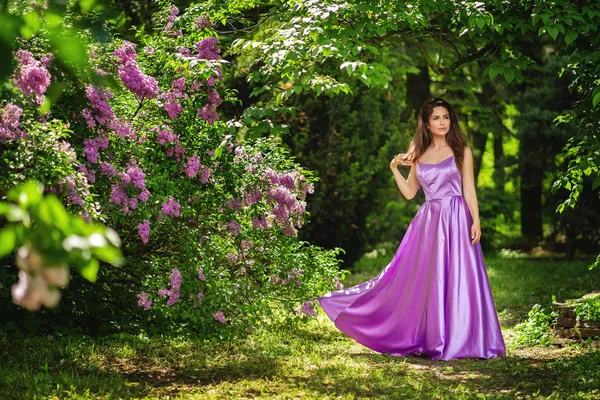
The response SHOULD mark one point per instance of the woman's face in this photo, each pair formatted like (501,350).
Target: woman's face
(439,121)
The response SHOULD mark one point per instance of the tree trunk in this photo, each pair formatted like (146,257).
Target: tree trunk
(531,196)
(417,92)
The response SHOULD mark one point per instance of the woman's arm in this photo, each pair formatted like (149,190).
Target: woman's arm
(410,186)
(468,181)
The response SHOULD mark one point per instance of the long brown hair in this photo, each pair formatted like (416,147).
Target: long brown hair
(422,138)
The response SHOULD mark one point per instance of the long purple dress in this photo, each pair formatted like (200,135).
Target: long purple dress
(434,297)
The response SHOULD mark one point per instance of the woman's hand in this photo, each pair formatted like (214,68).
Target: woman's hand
(399,159)
(475,232)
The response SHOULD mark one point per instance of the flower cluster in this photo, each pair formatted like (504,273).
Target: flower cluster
(144,230)
(171,98)
(31,76)
(308,310)
(208,49)
(166,137)
(10,117)
(102,111)
(173,293)
(170,208)
(219,316)
(203,22)
(38,283)
(173,12)
(140,84)
(209,111)
(68,186)
(93,146)
(144,300)
(134,179)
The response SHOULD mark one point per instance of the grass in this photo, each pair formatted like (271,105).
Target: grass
(314,361)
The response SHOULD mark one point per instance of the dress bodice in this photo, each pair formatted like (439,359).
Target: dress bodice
(440,180)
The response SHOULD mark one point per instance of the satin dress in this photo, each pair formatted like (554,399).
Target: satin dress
(433,299)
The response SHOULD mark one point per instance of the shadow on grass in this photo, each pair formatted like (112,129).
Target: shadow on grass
(317,365)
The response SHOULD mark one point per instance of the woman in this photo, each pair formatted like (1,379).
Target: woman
(433,298)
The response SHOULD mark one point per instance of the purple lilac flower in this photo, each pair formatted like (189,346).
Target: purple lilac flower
(89,174)
(246,244)
(201,274)
(208,113)
(149,50)
(173,293)
(118,195)
(89,117)
(214,98)
(47,59)
(205,175)
(338,284)
(234,227)
(260,222)
(287,180)
(179,83)
(126,52)
(107,169)
(219,316)
(92,147)
(234,204)
(185,51)
(253,197)
(173,108)
(289,230)
(31,76)
(122,128)
(125,178)
(176,278)
(71,190)
(144,230)
(166,135)
(10,118)
(170,207)
(173,297)
(144,300)
(192,167)
(308,310)
(142,85)
(98,97)
(144,195)
(200,295)
(137,176)
(203,22)
(271,176)
(208,49)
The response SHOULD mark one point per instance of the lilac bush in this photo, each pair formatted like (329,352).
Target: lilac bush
(208,217)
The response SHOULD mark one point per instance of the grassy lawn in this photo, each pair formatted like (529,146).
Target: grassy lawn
(316,360)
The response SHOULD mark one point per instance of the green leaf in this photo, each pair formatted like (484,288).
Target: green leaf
(52,212)
(8,238)
(32,25)
(4,208)
(109,254)
(472,20)
(553,31)
(509,75)
(596,183)
(596,100)
(86,5)
(27,193)
(480,22)
(90,270)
